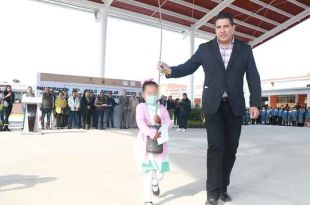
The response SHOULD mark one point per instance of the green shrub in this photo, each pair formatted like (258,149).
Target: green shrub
(196,118)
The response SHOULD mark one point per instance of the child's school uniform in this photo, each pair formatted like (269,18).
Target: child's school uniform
(153,166)
(146,161)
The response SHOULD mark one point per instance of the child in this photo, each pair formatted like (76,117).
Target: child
(152,165)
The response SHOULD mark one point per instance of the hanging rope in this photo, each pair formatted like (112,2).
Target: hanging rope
(160,38)
(160,45)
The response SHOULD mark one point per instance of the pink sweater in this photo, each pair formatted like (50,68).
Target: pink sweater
(143,120)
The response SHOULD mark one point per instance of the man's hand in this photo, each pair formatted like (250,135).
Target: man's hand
(254,113)
(157,135)
(163,68)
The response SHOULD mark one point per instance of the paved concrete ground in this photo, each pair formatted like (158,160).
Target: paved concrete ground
(97,167)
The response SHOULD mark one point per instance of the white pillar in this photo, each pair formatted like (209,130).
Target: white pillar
(308,99)
(191,77)
(103,21)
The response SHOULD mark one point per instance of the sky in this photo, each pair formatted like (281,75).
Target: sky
(38,37)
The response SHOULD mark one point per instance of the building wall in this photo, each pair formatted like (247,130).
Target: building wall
(273,101)
(301,99)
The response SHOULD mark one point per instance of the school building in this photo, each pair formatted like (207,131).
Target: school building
(275,92)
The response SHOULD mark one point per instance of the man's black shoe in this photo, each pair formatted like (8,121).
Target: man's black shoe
(211,201)
(225,197)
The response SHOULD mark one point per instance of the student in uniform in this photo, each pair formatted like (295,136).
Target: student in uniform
(294,116)
(275,113)
(285,117)
(289,117)
(263,115)
(308,117)
(247,118)
(268,116)
(301,117)
(280,116)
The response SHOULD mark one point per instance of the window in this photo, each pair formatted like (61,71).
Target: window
(286,98)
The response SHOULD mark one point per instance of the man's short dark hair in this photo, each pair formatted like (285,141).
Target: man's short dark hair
(223,15)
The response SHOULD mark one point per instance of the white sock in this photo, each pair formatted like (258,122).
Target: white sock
(157,177)
(147,186)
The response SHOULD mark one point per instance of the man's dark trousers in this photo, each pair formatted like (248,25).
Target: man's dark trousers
(183,119)
(223,130)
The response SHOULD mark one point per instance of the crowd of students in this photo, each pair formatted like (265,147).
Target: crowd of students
(284,115)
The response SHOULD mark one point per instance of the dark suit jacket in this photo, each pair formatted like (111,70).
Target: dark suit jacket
(217,79)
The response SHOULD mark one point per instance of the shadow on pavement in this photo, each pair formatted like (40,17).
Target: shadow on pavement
(16,182)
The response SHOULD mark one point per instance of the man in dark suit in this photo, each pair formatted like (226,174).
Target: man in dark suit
(225,60)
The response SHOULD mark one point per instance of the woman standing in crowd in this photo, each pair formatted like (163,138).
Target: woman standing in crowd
(74,106)
(8,100)
(93,114)
(60,106)
(176,111)
(86,109)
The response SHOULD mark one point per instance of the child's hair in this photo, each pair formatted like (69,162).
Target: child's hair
(148,83)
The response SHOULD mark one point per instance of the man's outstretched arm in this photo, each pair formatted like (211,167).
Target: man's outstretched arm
(187,68)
